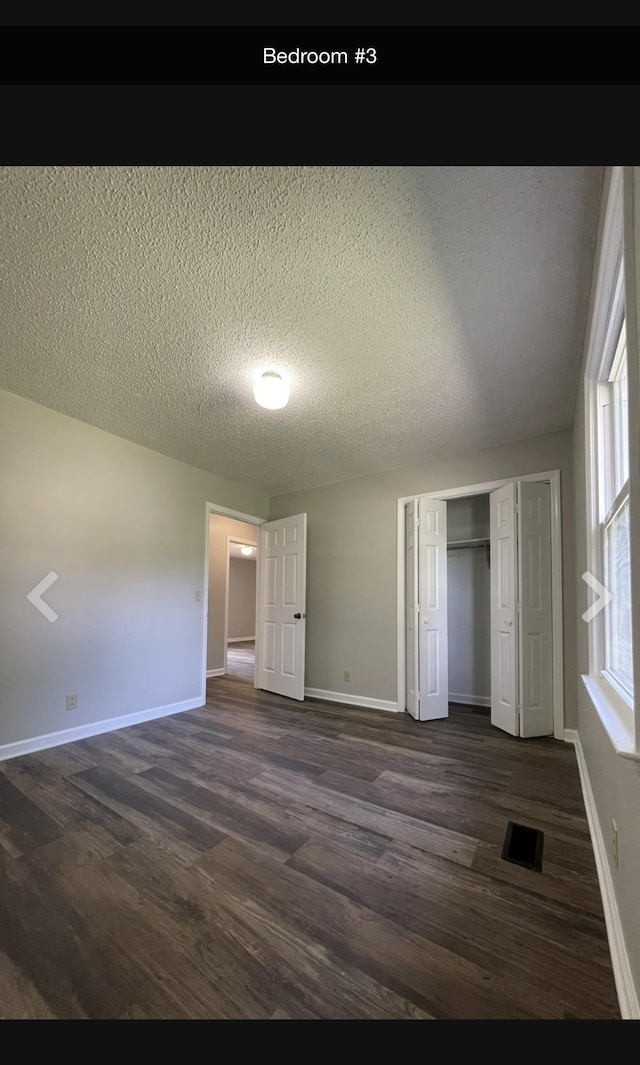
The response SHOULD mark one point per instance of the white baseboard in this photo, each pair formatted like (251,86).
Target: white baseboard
(215,672)
(470,700)
(240,639)
(352,700)
(625,986)
(95,728)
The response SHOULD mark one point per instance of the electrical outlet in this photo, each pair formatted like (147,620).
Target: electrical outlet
(346,675)
(197,597)
(614,843)
(72,702)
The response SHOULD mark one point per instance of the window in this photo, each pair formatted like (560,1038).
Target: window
(610,682)
(614,546)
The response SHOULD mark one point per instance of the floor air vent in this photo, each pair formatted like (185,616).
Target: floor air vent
(523,846)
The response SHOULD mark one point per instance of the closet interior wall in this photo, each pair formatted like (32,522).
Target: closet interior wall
(469,601)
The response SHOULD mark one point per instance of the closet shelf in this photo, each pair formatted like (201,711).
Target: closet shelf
(479,542)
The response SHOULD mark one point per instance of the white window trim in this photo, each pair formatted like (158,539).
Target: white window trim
(617,715)
(622,499)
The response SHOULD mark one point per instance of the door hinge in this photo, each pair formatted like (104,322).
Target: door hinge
(518,607)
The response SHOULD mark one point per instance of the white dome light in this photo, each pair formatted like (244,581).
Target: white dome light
(271,390)
(246,550)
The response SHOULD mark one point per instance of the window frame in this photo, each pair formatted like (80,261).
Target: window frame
(613,494)
(610,312)
(614,679)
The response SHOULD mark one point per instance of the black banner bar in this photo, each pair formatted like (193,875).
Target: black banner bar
(350,56)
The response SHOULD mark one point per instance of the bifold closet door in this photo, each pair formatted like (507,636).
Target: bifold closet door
(521,609)
(504,640)
(535,651)
(411,608)
(432,595)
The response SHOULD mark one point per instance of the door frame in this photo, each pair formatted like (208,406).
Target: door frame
(553,478)
(250,543)
(251,519)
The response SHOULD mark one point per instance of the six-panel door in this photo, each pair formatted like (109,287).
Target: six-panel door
(282,606)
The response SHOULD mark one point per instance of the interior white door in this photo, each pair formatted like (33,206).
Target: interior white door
(411,608)
(504,644)
(432,597)
(282,606)
(535,627)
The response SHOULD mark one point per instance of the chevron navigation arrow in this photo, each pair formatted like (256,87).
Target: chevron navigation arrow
(603,600)
(35,596)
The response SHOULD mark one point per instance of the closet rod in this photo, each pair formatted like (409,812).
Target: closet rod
(467,543)
(480,542)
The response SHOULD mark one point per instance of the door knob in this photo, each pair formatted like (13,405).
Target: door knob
(297,615)
(509,622)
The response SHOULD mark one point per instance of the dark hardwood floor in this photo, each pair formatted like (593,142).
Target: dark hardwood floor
(259,858)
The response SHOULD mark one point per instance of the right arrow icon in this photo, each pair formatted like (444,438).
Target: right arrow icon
(603,600)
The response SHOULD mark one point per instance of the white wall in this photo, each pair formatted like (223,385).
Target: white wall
(468,517)
(125,530)
(242,598)
(615,782)
(469,602)
(351,576)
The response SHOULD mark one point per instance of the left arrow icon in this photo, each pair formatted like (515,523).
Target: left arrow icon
(35,596)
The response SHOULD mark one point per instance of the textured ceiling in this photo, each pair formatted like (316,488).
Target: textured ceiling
(416,309)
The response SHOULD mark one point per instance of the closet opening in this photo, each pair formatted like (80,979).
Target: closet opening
(469,601)
(480,604)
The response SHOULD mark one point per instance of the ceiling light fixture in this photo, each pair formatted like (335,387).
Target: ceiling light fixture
(271,390)
(246,550)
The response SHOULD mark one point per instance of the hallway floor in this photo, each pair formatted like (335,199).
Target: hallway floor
(241,659)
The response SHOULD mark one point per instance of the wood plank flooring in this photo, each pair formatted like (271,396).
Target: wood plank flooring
(263,859)
(241,659)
